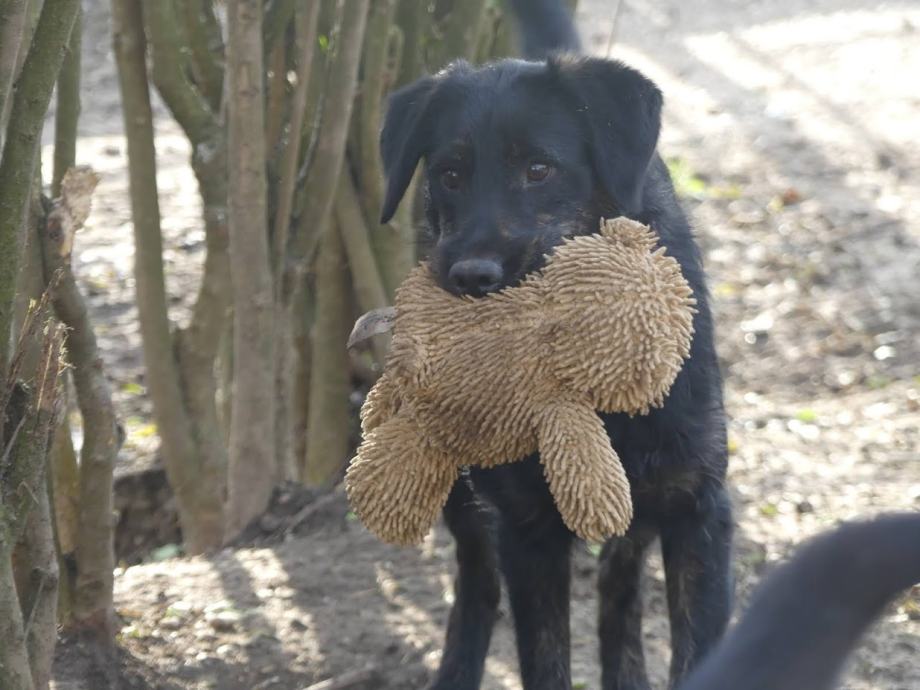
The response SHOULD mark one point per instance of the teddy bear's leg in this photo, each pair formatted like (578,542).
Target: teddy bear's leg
(398,484)
(583,472)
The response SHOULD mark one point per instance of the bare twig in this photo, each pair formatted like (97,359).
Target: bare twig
(306,39)
(349,679)
(311,509)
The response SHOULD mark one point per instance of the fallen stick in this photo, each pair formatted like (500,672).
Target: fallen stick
(311,509)
(347,680)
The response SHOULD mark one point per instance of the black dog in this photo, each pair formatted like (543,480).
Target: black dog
(807,616)
(519,155)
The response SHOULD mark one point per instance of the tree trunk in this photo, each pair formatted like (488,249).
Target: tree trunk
(30,103)
(15,673)
(38,599)
(461,31)
(94,550)
(327,427)
(12,23)
(201,520)
(319,189)
(28,622)
(252,435)
(368,286)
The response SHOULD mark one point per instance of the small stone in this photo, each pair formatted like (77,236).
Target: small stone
(171,623)
(224,621)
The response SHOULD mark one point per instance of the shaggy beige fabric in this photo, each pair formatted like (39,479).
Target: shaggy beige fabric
(605,325)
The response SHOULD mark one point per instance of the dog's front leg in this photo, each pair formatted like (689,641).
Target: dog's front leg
(535,557)
(476,593)
(697,559)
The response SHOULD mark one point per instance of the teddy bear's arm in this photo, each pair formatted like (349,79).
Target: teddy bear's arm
(398,484)
(583,471)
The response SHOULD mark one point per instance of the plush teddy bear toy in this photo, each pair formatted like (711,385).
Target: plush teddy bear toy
(606,325)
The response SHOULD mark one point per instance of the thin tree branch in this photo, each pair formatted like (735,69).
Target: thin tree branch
(330,143)
(277,17)
(207,46)
(373,87)
(188,105)
(306,40)
(365,275)
(327,421)
(412,20)
(67,112)
(163,375)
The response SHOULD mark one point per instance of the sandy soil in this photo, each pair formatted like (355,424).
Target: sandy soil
(792,129)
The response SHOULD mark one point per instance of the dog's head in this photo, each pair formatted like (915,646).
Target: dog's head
(519,155)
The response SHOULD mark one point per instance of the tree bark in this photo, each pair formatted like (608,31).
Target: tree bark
(39,597)
(188,105)
(319,189)
(202,529)
(412,19)
(460,35)
(374,84)
(27,641)
(12,23)
(94,546)
(252,449)
(207,48)
(368,286)
(327,427)
(67,113)
(306,39)
(15,673)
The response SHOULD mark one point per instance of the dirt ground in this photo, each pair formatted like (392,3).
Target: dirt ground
(791,127)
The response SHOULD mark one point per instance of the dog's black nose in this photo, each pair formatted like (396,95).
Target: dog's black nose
(475,277)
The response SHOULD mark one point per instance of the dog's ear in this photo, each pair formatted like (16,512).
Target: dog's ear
(405,138)
(621,110)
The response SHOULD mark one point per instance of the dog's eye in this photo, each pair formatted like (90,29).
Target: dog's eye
(450,179)
(537,172)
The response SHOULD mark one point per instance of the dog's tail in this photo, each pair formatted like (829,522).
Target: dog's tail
(545,26)
(810,613)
